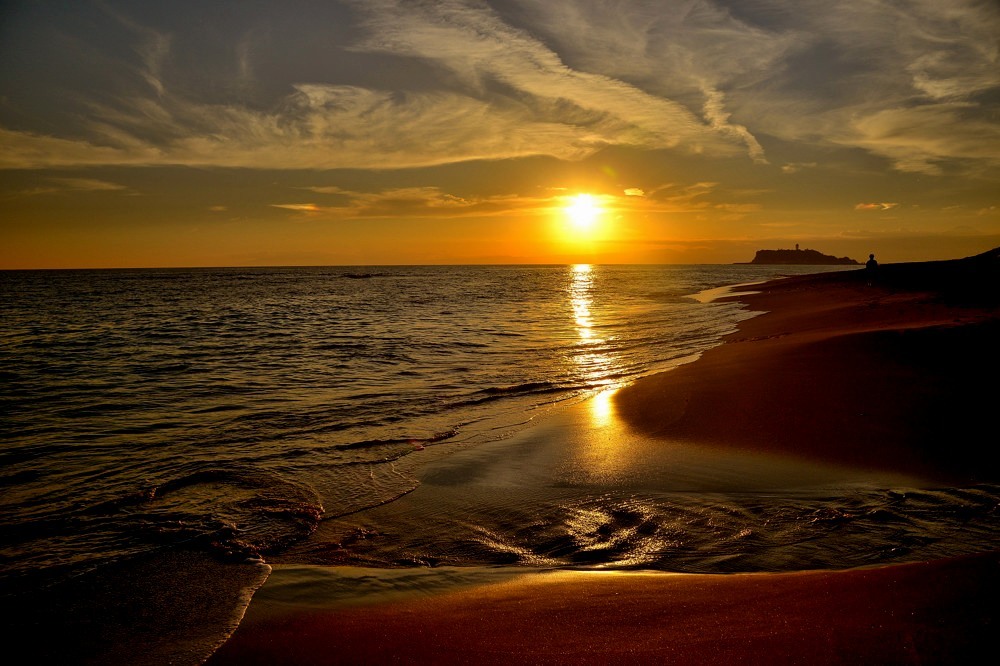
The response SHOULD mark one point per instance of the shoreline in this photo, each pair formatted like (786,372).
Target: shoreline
(885,376)
(929,612)
(787,382)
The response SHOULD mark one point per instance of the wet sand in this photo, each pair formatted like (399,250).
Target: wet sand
(894,375)
(884,377)
(927,613)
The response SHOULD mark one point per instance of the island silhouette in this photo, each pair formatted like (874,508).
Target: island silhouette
(799,257)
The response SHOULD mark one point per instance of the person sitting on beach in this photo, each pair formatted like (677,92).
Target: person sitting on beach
(871,266)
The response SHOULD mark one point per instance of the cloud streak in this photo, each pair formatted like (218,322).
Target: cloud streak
(875,206)
(415,203)
(910,82)
(514,98)
(57,185)
(431,202)
(919,139)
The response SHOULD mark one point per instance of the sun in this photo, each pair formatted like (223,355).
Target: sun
(583,211)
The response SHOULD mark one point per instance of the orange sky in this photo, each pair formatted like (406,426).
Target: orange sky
(385,132)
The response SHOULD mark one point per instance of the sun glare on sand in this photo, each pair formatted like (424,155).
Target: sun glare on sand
(583,211)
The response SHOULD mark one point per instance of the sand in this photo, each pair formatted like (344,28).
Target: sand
(895,375)
(929,613)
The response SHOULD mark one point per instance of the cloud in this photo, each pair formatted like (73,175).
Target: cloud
(918,139)
(26,150)
(88,185)
(415,202)
(299,207)
(698,76)
(719,119)
(795,167)
(74,185)
(674,198)
(503,94)
(908,82)
(680,50)
(732,212)
(875,206)
(671,197)
(434,202)
(479,48)
(741,208)
(911,82)
(333,126)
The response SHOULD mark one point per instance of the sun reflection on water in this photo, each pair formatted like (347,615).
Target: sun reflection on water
(602,408)
(580,299)
(602,452)
(592,353)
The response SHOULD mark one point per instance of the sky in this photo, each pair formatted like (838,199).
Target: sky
(364,132)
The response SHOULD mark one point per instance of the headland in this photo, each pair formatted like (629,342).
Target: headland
(799,257)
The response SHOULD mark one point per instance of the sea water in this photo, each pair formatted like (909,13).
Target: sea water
(235,407)
(230,411)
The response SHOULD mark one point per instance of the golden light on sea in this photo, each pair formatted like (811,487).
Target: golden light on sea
(602,408)
(579,291)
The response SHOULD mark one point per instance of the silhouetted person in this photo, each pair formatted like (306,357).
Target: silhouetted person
(871,268)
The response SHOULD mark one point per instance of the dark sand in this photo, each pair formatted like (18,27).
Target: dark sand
(907,614)
(899,375)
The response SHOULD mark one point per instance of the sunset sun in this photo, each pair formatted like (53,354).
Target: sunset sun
(583,211)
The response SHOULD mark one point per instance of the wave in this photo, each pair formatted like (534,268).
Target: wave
(234,513)
(413,441)
(494,393)
(528,387)
(695,533)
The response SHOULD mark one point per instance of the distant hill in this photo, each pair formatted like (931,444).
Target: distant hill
(800,257)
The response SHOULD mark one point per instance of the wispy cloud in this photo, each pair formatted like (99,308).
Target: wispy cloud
(698,197)
(909,81)
(414,203)
(919,139)
(432,202)
(88,185)
(56,185)
(481,50)
(509,96)
(795,167)
(718,118)
(299,207)
(672,197)
(27,150)
(875,206)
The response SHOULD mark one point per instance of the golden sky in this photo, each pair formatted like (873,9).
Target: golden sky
(400,132)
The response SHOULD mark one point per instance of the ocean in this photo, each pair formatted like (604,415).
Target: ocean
(251,415)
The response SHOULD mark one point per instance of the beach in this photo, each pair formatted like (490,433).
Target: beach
(928,613)
(889,378)
(519,331)
(889,375)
